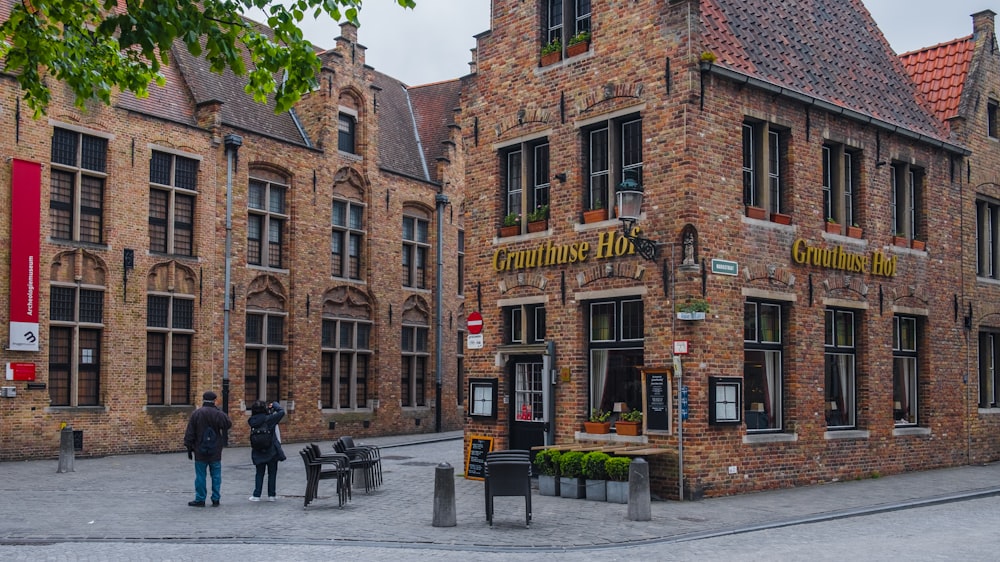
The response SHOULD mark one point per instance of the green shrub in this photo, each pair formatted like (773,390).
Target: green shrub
(593,465)
(617,468)
(547,462)
(571,464)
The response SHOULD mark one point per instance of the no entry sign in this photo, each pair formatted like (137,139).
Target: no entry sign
(475,323)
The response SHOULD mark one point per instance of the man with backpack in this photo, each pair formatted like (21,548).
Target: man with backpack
(204,439)
(265,446)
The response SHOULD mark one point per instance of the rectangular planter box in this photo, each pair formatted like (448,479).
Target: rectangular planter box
(548,485)
(690,315)
(572,488)
(597,490)
(756,213)
(628,428)
(617,492)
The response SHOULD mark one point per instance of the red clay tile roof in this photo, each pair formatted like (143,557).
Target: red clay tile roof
(940,72)
(827,49)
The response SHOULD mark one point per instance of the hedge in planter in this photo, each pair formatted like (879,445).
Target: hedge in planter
(595,475)
(547,468)
(617,469)
(571,483)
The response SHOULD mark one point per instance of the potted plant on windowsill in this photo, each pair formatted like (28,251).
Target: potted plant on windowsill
(595,476)
(597,214)
(571,483)
(578,44)
(832,226)
(511,225)
(617,488)
(547,466)
(598,422)
(854,231)
(630,423)
(692,309)
(551,53)
(538,220)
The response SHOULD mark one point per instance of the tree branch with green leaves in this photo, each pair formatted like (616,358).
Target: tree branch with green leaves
(98,46)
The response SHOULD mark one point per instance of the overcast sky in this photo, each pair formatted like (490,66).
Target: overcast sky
(432,42)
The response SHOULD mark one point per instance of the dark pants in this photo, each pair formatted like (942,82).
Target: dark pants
(272,478)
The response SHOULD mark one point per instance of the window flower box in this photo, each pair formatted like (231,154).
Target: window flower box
(690,315)
(595,215)
(506,231)
(692,309)
(538,226)
(551,53)
(854,231)
(834,227)
(917,244)
(629,427)
(756,213)
(901,241)
(781,218)
(578,44)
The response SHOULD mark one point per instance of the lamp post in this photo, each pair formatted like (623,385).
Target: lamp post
(629,198)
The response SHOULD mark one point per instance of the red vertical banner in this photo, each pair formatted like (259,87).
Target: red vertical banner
(25,248)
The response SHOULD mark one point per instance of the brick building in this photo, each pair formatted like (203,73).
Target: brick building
(797,184)
(327,301)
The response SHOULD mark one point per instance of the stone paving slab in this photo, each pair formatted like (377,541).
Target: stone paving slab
(144,497)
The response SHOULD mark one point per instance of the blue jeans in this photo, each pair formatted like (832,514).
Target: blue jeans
(199,480)
(272,478)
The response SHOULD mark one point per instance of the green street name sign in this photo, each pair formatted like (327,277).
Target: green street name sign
(725,267)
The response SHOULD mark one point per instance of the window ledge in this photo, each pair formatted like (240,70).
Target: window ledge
(765,438)
(988,281)
(167,409)
(345,411)
(610,438)
(351,156)
(769,224)
(841,239)
(910,430)
(76,409)
(267,268)
(599,225)
(522,237)
(989,411)
(846,434)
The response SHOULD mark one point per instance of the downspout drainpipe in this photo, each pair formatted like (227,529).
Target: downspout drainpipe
(441,200)
(233,144)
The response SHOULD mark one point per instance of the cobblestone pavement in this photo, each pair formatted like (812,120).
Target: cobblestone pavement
(143,498)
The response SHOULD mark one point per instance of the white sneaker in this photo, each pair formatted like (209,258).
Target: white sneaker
(271,498)
(254,499)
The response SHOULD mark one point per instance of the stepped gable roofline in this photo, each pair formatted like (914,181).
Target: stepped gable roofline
(939,72)
(828,51)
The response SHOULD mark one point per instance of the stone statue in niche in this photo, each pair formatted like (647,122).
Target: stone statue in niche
(688,258)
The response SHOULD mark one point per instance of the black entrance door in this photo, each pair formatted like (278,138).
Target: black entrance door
(527,409)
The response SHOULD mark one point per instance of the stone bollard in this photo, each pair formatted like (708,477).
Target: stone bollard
(66,451)
(639,508)
(444,496)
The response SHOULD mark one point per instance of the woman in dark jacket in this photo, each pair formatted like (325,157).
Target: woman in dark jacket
(266,415)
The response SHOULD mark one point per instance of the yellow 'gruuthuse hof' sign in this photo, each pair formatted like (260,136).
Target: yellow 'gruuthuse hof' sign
(875,263)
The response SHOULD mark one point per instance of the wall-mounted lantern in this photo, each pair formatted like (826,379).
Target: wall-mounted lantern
(629,199)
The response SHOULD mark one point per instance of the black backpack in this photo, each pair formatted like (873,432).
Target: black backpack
(261,437)
(209,441)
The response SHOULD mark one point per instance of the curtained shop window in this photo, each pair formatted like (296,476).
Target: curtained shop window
(762,372)
(616,353)
(839,375)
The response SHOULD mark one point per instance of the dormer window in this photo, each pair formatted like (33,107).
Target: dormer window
(346,125)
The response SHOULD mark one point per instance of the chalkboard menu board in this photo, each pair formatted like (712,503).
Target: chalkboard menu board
(656,393)
(475,456)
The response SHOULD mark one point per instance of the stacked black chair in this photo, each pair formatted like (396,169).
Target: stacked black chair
(329,466)
(508,473)
(366,459)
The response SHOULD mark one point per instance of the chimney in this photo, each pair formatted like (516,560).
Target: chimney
(983,25)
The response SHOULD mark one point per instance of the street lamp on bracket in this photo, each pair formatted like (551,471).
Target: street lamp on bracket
(629,198)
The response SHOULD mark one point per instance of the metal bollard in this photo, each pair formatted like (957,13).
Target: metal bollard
(66,451)
(444,496)
(639,508)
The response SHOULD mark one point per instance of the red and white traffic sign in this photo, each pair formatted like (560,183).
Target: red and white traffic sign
(475,323)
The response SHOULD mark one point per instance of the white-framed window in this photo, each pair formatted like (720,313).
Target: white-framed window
(483,398)
(764,167)
(904,370)
(265,350)
(987,237)
(413,383)
(906,201)
(169,335)
(347,240)
(173,189)
(839,181)
(613,150)
(78,177)
(266,222)
(725,401)
(346,363)
(564,19)
(525,163)
(529,391)
(76,326)
(763,376)
(416,247)
(840,384)
(989,362)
